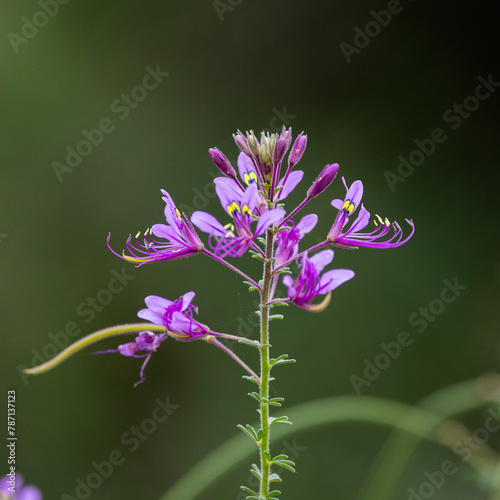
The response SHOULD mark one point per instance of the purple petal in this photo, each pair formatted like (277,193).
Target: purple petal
(269,218)
(187,326)
(337,204)
(288,282)
(246,168)
(228,191)
(355,193)
(151,316)
(156,303)
(334,278)
(5,482)
(293,179)
(170,209)
(250,197)
(361,221)
(322,259)
(187,298)
(207,223)
(29,493)
(170,233)
(307,223)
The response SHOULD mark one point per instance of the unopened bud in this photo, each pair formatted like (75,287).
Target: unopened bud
(242,142)
(222,162)
(298,148)
(325,178)
(253,144)
(279,151)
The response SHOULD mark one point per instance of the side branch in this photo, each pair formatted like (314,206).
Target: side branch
(91,339)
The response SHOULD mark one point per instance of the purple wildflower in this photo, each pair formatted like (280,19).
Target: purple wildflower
(352,237)
(181,239)
(288,238)
(176,316)
(145,344)
(11,488)
(234,238)
(310,283)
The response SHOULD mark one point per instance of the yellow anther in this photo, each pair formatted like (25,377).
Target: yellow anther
(348,206)
(138,234)
(234,207)
(379,218)
(178,213)
(387,223)
(246,210)
(147,231)
(249,178)
(229,230)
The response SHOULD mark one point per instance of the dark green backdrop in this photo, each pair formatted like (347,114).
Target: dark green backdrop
(247,65)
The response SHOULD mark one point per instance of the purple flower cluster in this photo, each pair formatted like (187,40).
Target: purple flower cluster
(252,199)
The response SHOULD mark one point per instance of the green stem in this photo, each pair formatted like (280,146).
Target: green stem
(306,416)
(265,367)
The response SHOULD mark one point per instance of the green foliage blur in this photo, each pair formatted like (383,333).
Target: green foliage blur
(240,65)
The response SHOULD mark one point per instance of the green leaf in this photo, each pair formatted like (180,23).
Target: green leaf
(279,304)
(251,286)
(280,420)
(256,472)
(275,478)
(248,377)
(253,494)
(281,360)
(257,397)
(249,431)
(275,401)
(259,257)
(272,495)
(282,461)
(275,316)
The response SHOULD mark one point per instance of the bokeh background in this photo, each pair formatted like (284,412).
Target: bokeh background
(239,65)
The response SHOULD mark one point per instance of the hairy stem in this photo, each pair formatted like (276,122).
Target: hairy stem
(265,367)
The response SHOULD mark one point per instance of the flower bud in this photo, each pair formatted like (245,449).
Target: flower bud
(298,148)
(279,151)
(325,178)
(222,162)
(242,142)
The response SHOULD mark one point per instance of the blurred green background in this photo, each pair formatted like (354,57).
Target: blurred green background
(239,65)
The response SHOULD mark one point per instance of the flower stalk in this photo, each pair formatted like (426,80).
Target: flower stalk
(265,367)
